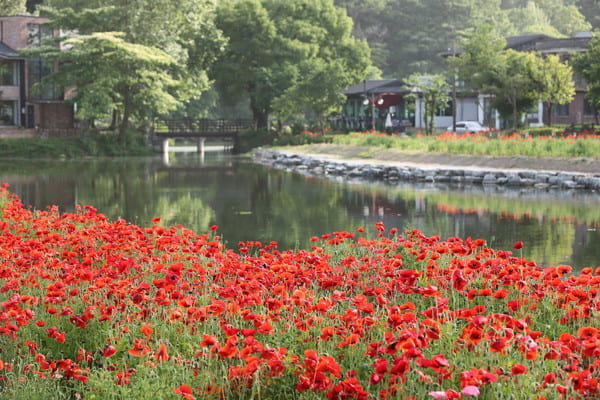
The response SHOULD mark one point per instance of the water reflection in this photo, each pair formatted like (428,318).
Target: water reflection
(252,202)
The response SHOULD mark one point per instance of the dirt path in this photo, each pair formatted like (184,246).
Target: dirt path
(394,156)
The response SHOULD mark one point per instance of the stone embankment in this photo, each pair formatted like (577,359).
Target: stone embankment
(392,172)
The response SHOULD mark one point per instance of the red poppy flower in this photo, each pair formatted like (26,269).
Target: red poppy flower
(185,391)
(518,369)
(162,354)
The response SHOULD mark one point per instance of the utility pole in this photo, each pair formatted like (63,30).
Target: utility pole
(453,87)
(373,111)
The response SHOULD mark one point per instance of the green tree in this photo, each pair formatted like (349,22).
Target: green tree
(554,81)
(591,11)
(588,66)
(279,49)
(409,36)
(507,75)
(434,93)
(513,85)
(112,74)
(12,7)
(184,30)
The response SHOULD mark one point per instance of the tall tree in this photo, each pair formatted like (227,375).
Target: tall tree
(184,30)
(433,91)
(410,35)
(112,74)
(507,75)
(554,81)
(588,66)
(281,48)
(591,11)
(12,7)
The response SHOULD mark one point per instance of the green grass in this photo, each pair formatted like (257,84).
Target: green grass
(497,145)
(88,144)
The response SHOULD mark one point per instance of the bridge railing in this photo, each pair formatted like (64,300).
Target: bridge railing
(201,126)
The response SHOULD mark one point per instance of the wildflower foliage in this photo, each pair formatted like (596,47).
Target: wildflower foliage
(91,308)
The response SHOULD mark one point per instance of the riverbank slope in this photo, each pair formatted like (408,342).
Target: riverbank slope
(395,165)
(375,155)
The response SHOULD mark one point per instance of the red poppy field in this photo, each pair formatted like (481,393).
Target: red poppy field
(99,309)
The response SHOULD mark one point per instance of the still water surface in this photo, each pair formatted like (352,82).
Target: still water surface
(252,202)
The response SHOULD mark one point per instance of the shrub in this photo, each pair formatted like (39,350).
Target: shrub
(301,139)
(252,138)
(128,143)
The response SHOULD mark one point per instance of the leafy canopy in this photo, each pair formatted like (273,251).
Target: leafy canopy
(288,55)
(434,93)
(12,7)
(588,66)
(516,80)
(184,31)
(411,35)
(110,73)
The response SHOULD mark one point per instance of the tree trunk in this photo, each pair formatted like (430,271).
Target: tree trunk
(322,123)
(260,115)
(515,114)
(549,113)
(126,111)
(261,119)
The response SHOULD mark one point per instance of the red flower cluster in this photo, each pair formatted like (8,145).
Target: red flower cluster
(358,317)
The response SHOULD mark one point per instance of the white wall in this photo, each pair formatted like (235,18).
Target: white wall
(467,109)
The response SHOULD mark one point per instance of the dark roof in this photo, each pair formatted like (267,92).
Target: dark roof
(376,86)
(568,45)
(7,52)
(513,42)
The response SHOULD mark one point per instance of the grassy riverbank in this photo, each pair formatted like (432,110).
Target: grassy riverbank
(482,144)
(98,309)
(87,145)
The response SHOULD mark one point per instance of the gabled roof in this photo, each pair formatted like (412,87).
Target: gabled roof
(7,52)
(375,86)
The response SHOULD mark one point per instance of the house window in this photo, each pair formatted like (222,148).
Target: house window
(560,110)
(37,68)
(588,108)
(445,111)
(8,73)
(8,112)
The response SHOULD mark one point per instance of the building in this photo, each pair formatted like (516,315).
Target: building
(579,111)
(377,104)
(20,105)
(384,105)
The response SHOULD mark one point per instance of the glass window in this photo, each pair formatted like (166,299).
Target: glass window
(8,73)
(588,108)
(560,110)
(445,111)
(8,112)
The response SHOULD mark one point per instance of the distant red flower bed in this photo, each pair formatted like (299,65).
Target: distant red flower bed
(99,309)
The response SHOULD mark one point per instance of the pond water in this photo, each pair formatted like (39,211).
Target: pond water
(253,202)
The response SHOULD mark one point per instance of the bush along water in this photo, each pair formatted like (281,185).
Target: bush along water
(127,143)
(251,139)
(99,309)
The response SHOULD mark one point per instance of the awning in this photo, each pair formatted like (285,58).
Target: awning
(385,100)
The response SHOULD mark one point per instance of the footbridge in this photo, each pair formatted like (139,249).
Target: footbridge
(200,129)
